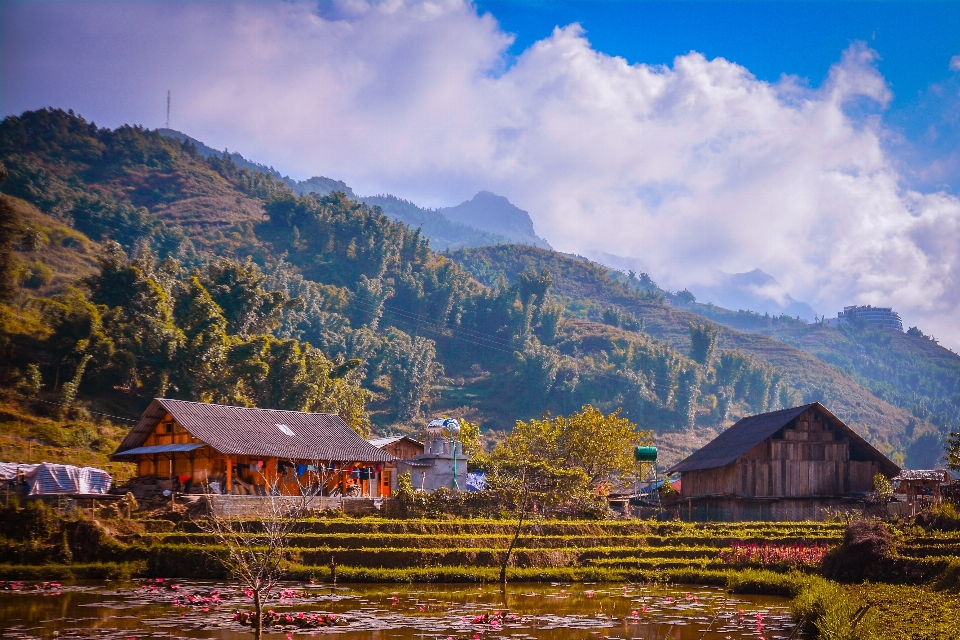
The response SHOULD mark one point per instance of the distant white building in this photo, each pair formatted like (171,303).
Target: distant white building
(437,463)
(882,317)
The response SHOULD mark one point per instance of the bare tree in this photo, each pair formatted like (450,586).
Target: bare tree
(256,548)
(532,490)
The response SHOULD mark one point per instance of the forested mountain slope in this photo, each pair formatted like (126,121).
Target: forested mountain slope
(225,285)
(817,362)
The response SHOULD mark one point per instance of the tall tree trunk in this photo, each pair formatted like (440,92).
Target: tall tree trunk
(258,608)
(513,543)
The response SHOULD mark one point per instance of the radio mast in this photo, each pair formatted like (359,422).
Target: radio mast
(167,126)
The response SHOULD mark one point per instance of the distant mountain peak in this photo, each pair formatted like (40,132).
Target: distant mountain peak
(496,214)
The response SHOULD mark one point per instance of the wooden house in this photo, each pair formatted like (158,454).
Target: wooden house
(199,447)
(783,465)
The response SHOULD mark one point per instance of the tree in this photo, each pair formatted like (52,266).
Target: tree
(525,486)
(599,445)
(882,488)
(254,550)
(238,289)
(414,370)
(9,223)
(703,343)
(953,451)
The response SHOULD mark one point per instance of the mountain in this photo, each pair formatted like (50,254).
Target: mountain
(753,291)
(282,282)
(443,233)
(322,186)
(493,213)
(237,159)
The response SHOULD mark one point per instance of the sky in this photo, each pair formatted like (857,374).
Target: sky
(819,142)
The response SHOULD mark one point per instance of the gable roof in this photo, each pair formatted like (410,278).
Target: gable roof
(752,430)
(382,442)
(259,432)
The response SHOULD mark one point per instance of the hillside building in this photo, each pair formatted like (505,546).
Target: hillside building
(791,464)
(881,317)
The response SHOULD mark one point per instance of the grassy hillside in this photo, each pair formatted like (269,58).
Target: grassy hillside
(287,292)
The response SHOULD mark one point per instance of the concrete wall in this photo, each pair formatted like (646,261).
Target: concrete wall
(439,455)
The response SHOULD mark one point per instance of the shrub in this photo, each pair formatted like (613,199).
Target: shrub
(823,608)
(943,517)
(866,544)
(882,489)
(790,555)
(764,582)
(949,580)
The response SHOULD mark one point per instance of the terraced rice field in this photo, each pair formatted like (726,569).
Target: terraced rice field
(372,549)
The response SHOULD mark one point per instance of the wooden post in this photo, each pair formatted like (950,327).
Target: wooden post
(229,481)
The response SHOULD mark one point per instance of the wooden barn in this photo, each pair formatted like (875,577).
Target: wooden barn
(792,464)
(196,447)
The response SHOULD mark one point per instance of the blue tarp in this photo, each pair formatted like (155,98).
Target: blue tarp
(160,448)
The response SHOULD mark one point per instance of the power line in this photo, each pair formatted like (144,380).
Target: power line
(97,413)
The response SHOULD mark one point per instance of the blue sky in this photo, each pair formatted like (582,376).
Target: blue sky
(819,142)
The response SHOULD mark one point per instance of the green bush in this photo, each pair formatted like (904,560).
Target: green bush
(827,611)
(761,581)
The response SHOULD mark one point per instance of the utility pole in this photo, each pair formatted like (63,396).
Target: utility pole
(167,126)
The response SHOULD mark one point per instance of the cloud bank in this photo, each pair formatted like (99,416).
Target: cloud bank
(690,168)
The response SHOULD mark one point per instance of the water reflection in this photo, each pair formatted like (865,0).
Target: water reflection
(203,609)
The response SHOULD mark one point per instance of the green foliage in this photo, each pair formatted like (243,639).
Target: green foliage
(601,446)
(953,451)
(703,343)
(830,612)
(882,488)
(9,223)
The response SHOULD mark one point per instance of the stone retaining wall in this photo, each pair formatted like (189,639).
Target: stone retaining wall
(251,506)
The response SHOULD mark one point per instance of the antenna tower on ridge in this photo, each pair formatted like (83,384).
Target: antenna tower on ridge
(167,126)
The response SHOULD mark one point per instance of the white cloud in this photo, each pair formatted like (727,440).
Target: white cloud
(691,168)
(955,63)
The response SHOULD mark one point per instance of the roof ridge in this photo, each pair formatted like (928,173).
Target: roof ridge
(233,406)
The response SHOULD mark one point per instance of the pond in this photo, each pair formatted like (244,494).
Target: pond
(163,609)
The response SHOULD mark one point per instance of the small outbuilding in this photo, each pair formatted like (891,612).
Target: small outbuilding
(921,487)
(792,464)
(210,448)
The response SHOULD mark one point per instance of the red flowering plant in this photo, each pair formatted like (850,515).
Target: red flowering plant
(783,555)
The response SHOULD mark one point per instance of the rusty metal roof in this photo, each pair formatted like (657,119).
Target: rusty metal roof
(925,475)
(752,430)
(271,433)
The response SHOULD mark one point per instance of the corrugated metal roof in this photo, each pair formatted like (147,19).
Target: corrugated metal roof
(752,430)
(260,432)
(382,442)
(160,448)
(928,475)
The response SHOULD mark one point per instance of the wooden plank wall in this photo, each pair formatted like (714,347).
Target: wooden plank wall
(810,459)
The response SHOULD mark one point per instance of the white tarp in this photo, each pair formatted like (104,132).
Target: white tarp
(49,478)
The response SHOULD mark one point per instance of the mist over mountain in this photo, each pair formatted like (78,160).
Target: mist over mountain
(755,291)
